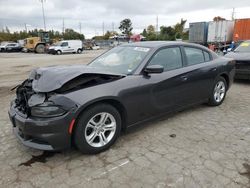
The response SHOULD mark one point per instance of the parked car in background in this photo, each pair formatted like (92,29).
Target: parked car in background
(11,47)
(89,105)
(66,46)
(96,47)
(3,46)
(242,57)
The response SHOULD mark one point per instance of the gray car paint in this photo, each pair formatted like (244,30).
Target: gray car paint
(239,56)
(140,97)
(49,79)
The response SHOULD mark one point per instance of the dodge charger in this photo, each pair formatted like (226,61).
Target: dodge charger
(88,106)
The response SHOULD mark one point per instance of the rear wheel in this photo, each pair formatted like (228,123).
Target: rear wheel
(79,51)
(219,92)
(40,48)
(97,129)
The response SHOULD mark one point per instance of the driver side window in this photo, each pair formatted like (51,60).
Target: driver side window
(169,58)
(64,44)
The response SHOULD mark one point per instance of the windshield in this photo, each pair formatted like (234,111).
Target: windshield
(122,59)
(243,47)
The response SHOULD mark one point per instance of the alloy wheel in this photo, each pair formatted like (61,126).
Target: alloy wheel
(219,91)
(100,129)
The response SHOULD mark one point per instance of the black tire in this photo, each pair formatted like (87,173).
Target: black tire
(79,131)
(79,51)
(212,101)
(59,52)
(40,48)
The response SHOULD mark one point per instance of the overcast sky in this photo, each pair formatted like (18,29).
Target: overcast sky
(92,13)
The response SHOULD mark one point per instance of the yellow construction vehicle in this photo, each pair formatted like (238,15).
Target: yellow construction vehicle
(37,44)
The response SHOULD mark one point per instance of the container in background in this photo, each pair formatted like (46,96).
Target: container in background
(220,31)
(241,29)
(198,32)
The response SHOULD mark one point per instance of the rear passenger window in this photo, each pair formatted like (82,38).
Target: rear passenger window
(194,56)
(206,56)
(169,58)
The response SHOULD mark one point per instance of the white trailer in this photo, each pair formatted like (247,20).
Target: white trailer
(220,31)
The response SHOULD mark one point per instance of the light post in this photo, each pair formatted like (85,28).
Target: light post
(44,24)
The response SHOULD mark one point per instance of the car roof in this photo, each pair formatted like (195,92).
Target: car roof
(158,44)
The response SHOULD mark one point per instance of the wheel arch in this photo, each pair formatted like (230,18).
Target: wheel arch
(226,77)
(111,101)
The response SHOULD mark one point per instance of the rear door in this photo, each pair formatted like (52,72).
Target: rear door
(200,73)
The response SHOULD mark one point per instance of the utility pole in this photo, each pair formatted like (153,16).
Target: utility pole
(157,27)
(80,27)
(233,14)
(44,24)
(63,26)
(113,27)
(103,28)
(25,25)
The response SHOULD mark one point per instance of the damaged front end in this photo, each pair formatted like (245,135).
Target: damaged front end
(29,103)
(36,100)
(43,114)
(41,120)
(23,94)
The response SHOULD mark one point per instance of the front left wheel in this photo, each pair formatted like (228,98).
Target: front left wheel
(97,129)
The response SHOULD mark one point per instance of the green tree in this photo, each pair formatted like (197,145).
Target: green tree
(151,34)
(70,34)
(167,33)
(218,18)
(126,26)
(6,35)
(144,33)
(179,27)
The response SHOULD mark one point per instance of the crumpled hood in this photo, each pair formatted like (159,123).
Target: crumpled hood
(238,56)
(52,78)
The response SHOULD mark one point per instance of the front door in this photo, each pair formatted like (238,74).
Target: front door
(165,91)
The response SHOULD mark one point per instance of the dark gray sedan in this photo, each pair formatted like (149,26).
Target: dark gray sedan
(242,57)
(89,106)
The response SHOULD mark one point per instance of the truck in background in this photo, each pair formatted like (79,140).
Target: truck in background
(241,30)
(220,31)
(217,35)
(37,44)
(198,32)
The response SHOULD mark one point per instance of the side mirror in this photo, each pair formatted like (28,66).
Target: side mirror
(154,69)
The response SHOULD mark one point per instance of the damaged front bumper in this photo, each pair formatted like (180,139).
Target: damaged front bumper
(49,134)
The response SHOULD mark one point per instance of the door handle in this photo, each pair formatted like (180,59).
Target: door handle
(214,69)
(184,78)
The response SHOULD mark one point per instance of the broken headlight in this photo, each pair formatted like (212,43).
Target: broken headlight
(46,110)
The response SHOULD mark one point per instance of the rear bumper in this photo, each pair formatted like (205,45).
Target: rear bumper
(49,134)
